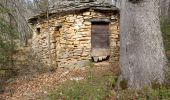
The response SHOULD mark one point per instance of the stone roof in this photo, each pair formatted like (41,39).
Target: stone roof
(74,7)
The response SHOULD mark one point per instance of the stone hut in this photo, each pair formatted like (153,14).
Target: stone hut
(78,35)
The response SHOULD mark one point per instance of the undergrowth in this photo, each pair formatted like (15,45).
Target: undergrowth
(165,28)
(93,87)
(161,93)
(26,64)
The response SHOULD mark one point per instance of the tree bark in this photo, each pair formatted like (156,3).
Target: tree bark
(142,55)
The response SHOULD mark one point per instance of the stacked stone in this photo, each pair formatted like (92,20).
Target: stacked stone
(70,38)
(114,39)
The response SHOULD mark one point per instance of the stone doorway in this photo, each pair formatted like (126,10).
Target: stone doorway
(100,49)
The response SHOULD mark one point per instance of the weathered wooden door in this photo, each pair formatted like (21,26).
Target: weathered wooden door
(100,40)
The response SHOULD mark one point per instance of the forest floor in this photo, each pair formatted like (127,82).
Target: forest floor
(30,87)
(35,87)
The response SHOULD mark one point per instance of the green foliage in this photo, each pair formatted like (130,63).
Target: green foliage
(145,94)
(7,44)
(165,28)
(92,88)
(31,65)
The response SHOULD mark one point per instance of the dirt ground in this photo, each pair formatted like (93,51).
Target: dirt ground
(32,87)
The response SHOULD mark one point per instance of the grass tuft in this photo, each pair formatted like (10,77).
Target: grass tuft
(92,88)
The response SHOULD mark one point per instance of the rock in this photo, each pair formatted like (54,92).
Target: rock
(100,58)
(104,57)
(76,27)
(76,78)
(87,23)
(95,59)
(86,13)
(79,16)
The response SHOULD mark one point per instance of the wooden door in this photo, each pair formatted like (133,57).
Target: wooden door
(100,35)
(100,40)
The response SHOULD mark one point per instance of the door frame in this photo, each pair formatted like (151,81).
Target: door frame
(107,50)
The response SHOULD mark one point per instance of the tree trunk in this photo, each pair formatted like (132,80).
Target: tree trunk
(142,56)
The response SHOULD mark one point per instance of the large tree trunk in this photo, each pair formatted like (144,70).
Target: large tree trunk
(142,56)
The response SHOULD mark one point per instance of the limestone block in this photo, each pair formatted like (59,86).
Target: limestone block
(99,14)
(93,13)
(53,51)
(71,31)
(70,46)
(79,20)
(73,64)
(114,28)
(63,41)
(65,55)
(95,59)
(71,19)
(53,45)
(67,25)
(113,44)
(86,13)
(81,29)
(76,42)
(87,17)
(118,44)
(53,40)
(76,27)
(60,21)
(87,23)
(78,36)
(87,26)
(67,18)
(83,38)
(79,16)
(83,63)
(84,42)
(77,52)
(79,23)
(71,15)
(85,53)
(116,36)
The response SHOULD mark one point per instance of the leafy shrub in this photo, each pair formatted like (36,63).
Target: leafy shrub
(7,45)
(32,64)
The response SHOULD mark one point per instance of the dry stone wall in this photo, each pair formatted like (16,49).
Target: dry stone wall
(70,38)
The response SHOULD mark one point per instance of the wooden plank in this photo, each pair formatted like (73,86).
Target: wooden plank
(100,35)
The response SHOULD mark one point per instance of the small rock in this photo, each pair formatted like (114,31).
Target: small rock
(100,58)
(95,59)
